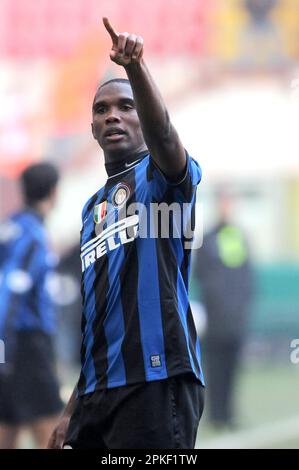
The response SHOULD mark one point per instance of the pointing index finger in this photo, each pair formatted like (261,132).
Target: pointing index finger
(109,28)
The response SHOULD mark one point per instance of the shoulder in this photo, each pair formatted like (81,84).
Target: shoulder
(11,229)
(192,170)
(183,189)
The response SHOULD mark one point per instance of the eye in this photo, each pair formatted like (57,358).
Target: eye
(126,107)
(101,109)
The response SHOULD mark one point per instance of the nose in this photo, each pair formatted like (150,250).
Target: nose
(112,116)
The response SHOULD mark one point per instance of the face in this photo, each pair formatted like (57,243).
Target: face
(225,207)
(115,123)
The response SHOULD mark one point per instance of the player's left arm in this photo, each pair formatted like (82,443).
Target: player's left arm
(159,133)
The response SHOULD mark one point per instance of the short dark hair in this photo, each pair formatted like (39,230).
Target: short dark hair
(117,80)
(113,80)
(38,181)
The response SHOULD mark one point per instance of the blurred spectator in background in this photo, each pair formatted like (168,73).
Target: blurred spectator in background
(29,391)
(261,42)
(69,305)
(223,271)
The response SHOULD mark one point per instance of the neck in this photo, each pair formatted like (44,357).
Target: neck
(114,166)
(41,209)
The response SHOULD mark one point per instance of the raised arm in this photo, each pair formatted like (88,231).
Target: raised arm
(159,134)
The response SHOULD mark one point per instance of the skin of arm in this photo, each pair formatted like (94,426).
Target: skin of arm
(57,438)
(159,134)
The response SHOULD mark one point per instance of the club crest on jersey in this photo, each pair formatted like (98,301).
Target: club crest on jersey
(100,211)
(120,195)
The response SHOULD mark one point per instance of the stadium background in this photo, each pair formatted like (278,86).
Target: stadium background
(232,87)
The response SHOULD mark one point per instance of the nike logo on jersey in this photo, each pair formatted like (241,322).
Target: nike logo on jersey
(128,165)
(114,236)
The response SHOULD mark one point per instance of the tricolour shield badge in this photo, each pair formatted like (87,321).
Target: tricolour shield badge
(100,211)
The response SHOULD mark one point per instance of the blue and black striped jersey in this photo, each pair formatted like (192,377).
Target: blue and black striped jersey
(25,265)
(137,323)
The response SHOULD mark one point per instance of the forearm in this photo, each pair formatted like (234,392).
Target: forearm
(159,134)
(68,410)
(152,112)
(58,436)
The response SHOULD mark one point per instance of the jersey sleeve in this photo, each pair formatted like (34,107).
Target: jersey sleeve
(182,190)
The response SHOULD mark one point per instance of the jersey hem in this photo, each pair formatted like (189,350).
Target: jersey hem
(150,379)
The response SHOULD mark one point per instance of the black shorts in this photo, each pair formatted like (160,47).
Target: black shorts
(155,415)
(29,388)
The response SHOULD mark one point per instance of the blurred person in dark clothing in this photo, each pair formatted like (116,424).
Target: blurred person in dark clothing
(69,305)
(29,391)
(224,273)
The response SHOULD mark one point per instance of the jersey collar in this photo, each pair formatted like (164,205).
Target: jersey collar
(113,169)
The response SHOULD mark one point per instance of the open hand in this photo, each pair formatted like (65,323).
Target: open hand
(126,48)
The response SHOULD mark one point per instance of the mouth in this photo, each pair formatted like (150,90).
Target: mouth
(114,134)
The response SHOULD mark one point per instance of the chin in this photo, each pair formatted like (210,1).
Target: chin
(117,148)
